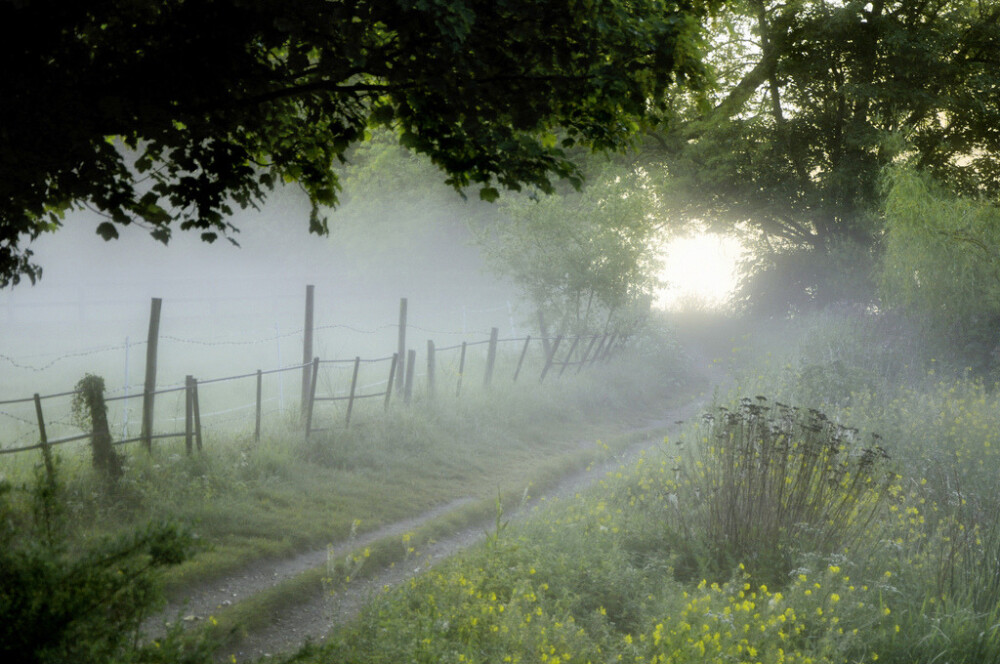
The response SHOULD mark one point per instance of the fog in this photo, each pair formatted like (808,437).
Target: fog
(230,310)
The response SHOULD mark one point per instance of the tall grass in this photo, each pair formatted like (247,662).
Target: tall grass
(778,482)
(767,534)
(286,492)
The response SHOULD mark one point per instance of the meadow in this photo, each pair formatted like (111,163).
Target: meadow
(837,504)
(77,546)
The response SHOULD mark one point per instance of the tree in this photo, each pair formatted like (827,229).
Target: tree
(167,113)
(588,258)
(941,266)
(813,99)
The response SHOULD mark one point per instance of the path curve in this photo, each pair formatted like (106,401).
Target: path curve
(319,612)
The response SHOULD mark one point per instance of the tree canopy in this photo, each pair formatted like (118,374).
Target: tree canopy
(167,113)
(589,259)
(941,266)
(813,98)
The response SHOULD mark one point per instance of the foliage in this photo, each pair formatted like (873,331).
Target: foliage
(779,483)
(588,259)
(81,604)
(780,279)
(812,100)
(941,267)
(604,576)
(570,585)
(395,204)
(91,412)
(173,112)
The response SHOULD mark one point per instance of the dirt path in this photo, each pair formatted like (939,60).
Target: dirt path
(318,612)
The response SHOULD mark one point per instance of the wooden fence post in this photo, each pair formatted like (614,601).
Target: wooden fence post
(256,428)
(544,330)
(586,354)
(307,347)
(196,411)
(43,439)
(150,384)
(392,377)
(431,367)
(520,361)
(607,349)
(354,384)
(411,357)
(461,371)
(491,357)
(600,347)
(188,414)
(312,395)
(401,349)
(569,356)
(550,357)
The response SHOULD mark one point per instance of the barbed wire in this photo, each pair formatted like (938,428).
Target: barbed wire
(249,342)
(460,334)
(94,351)
(485,311)
(18,418)
(19,363)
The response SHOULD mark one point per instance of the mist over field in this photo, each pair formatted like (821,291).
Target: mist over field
(636,331)
(230,310)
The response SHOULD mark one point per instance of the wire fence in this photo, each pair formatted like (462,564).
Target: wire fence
(323,382)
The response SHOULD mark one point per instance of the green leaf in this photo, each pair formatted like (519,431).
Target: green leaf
(107,231)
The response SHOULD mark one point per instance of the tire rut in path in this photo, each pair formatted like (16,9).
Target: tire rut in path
(260,575)
(319,612)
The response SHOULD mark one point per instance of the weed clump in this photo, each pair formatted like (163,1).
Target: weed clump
(778,482)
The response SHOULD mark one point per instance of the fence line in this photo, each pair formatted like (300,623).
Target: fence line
(402,375)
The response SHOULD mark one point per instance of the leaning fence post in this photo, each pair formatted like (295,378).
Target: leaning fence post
(312,396)
(431,366)
(392,377)
(461,371)
(50,471)
(188,414)
(607,349)
(411,357)
(256,428)
(550,357)
(520,361)
(149,388)
(569,356)
(491,357)
(600,347)
(354,383)
(586,354)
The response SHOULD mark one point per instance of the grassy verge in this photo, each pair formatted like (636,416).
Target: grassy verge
(247,501)
(346,566)
(680,557)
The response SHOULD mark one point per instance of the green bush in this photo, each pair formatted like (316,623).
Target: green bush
(60,603)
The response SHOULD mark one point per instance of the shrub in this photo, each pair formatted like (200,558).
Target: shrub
(64,603)
(779,482)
